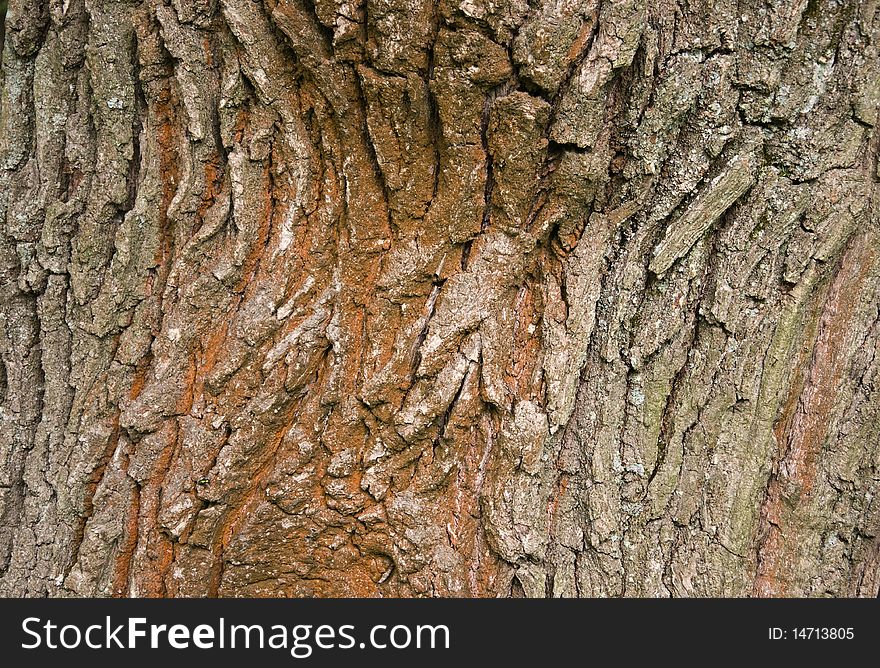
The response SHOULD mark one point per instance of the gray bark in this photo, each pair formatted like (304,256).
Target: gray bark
(438,298)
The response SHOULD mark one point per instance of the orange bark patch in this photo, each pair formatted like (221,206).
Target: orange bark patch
(140,376)
(122,567)
(805,425)
(527,344)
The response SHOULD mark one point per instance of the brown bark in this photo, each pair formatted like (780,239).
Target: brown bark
(416,298)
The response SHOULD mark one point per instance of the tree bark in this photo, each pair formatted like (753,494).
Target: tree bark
(428,298)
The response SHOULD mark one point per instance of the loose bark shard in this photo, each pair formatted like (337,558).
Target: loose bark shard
(710,203)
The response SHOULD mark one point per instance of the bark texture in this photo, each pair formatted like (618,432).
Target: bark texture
(440,298)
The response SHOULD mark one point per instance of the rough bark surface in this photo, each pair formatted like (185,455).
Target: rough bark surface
(439,298)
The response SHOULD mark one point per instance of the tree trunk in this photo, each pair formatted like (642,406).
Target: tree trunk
(416,298)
